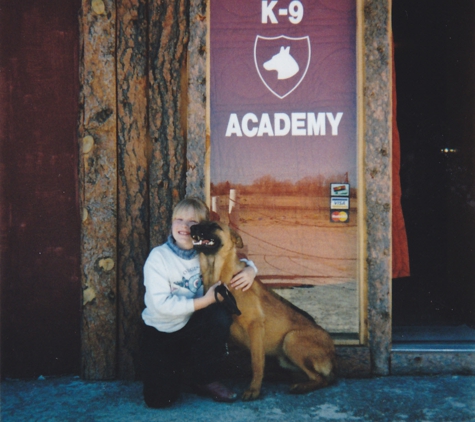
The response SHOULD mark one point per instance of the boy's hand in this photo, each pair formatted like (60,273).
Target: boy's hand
(207,299)
(210,293)
(244,279)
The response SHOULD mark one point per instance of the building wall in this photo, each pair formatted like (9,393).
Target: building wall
(40,237)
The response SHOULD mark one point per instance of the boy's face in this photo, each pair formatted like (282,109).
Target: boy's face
(181,227)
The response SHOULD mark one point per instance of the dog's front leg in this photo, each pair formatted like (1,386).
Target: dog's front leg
(256,332)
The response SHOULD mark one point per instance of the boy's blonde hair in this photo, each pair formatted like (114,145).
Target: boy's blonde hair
(197,205)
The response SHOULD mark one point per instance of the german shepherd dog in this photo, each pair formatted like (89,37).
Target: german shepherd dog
(268,324)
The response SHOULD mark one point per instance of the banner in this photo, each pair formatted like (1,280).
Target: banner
(283,135)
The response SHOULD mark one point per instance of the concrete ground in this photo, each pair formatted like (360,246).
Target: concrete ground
(410,398)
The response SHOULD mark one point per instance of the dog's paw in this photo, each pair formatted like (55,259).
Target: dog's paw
(250,394)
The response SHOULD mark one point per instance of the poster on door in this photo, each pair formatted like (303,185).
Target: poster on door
(283,131)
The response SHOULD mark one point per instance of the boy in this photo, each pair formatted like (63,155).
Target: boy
(181,324)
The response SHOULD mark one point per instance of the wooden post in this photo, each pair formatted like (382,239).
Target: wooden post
(377,105)
(98,189)
(133,143)
(133,165)
(168,39)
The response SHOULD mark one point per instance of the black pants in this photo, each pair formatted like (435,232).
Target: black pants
(200,344)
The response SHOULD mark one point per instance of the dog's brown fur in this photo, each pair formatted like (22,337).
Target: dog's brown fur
(268,325)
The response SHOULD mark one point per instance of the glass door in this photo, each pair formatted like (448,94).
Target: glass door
(284,148)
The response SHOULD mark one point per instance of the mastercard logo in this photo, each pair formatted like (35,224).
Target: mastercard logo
(339,216)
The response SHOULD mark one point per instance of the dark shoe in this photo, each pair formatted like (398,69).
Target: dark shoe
(217,391)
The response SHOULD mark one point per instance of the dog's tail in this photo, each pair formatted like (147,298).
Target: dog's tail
(320,372)
(326,369)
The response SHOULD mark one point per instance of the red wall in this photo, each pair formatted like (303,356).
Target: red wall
(40,226)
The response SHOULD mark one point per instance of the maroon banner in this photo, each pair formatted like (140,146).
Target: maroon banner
(283,89)
(283,126)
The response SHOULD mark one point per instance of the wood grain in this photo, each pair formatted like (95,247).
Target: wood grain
(98,190)
(168,38)
(133,215)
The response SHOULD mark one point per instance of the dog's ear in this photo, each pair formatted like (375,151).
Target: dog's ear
(236,239)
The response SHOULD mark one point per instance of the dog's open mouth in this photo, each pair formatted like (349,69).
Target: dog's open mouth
(203,242)
(205,239)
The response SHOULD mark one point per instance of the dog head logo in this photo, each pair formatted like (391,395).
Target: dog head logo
(282,62)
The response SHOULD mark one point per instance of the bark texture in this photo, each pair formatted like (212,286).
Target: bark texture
(98,189)
(132,133)
(168,38)
(133,215)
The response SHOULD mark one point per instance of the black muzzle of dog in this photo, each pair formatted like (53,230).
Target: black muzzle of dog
(205,239)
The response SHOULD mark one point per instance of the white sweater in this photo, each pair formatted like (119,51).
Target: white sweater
(172,280)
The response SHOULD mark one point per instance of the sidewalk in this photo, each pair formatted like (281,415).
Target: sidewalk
(410,399)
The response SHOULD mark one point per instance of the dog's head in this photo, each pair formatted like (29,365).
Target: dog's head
(210,236)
